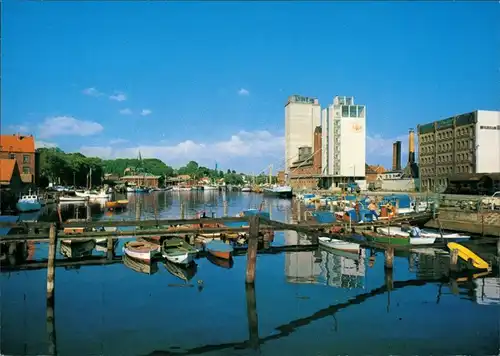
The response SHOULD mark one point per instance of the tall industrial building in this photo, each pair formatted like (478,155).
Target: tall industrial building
(396,156)
(467,143)
(344,140)
(302,116)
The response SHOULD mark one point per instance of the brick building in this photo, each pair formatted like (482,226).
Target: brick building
(22,149)
(305,173)
(373,172)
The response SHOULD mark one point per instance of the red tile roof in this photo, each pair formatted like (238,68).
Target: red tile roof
(17,143)
(7,169)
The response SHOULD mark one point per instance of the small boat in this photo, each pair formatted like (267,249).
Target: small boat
(246,189)
(219,249)
(396,231)
(29,202)
(221,262)
(141,190)
(210,187)
(468,256)
(449,237)
(279,191)
(398,239)
(117,204)
(178,251)
(72,199)
(140,266)
(92,194)
(186,273)
(336,244)
(140,250)
(130,189)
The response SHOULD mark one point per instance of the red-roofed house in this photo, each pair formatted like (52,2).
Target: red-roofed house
(10,176)
(22,149)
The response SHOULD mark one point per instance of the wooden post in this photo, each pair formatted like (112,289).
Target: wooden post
(51,330)
(89,212)
(253,237)
(298,211)
(454,259)
(109,248)
(389,257)
(396,212)
(182,211)
(253,321)
(225,207)
(50,262)
(137,208)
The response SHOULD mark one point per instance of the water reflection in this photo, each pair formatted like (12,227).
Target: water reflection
(228,317)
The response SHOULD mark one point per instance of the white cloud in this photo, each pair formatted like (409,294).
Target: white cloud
(92,92)
(126,111)
(245,145)
(117,141)
(146,112)
(44,144)
(68,126)
(118,96)
(243,92)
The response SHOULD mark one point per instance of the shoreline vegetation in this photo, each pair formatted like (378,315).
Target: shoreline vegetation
(55,165)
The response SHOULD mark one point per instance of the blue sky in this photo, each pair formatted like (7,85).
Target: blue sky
(208,81)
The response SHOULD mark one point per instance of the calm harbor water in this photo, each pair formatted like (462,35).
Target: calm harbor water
(307,303)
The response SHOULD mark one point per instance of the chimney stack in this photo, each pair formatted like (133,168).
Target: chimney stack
(411,147)
(396,156)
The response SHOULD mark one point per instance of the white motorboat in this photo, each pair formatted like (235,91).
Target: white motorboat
(210,187)
(72,199)
(338,244)
(246,189)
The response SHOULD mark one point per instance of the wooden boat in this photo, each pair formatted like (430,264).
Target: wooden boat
(449,237)
(468,256)
(184,272)
(117,204)
(219,249)
(72,199)
(336,244)
(140,266)
(140,250)
(178,251)
(397,239)
(221,262)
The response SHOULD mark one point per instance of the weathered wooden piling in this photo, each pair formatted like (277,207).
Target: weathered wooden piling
(253,240)
(253,321)
(389,257)
(225,207)
(182,210)
(50,262)
(89,212)
(454,259)
(298,211)
(109,248)
(388,277)
(51,330)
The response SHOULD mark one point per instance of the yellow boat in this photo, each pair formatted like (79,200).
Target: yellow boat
(466,254)
(119,204)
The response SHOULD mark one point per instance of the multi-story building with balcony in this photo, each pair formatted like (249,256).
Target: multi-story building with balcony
(467,143)
(344,140)
(22,149)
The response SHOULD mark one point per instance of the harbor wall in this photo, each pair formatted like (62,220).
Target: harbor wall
(399,185)
(482,223)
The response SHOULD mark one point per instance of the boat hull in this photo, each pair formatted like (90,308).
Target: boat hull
(285,194)
(340,245)
(183,259)
(225,255)
(25,206)
(390,240)
(467,255)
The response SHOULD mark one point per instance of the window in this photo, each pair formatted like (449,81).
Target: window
(12,155)
(352,111)
(26,170)
(26,159)
(345,111)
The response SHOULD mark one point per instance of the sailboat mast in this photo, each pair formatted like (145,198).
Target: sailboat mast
(270,173)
